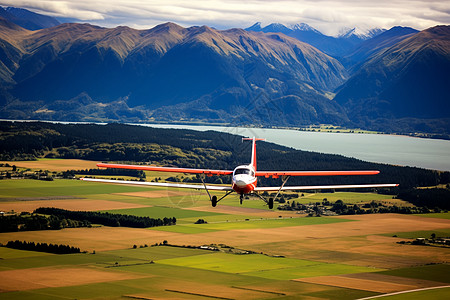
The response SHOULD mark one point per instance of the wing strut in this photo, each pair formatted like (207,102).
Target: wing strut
(285,179)
(207,191)
(213,198)
(271,200)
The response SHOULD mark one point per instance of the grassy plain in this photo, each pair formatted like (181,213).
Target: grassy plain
(344,257)
(439,293)
(347,197)
(444,233)
(437,215)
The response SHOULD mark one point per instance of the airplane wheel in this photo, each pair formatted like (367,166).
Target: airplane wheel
(241,198)
(214,201)
(270,203)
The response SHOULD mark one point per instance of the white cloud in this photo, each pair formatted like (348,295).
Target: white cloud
(326,15)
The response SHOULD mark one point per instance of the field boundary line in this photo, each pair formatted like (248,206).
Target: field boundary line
(201,295)
(405,292)
(256,290)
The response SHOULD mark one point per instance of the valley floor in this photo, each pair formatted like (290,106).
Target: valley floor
(293,256)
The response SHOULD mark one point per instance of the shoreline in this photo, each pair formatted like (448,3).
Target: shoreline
(307,128)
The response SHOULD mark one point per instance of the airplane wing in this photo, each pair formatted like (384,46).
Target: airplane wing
(276,174)
(163,184)
(323,187)
(166,169)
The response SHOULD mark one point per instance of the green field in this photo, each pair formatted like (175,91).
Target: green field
(161,212)
(264,266)
(252,224)
(62,187)
(347,197)
(422,234)
(437,215)
(438,293)
(438,272)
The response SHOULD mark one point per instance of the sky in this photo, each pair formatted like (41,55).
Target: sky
(328,16)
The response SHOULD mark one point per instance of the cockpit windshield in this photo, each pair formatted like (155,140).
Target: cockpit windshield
(243,171)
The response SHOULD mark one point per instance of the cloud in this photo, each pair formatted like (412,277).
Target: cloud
(326,15)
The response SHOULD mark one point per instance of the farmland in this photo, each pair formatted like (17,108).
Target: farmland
(292,256)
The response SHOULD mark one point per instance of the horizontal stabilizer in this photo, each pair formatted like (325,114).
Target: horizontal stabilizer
(162,184)
(324,187)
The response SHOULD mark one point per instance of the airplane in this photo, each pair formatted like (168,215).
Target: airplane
(244,179)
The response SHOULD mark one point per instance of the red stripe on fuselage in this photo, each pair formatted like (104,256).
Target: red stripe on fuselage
(245,189)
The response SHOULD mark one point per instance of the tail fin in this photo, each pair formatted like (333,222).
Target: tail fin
(253,139)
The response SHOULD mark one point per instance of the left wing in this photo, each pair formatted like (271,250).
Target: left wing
(166,169)
(276,174)
(323,187)
(163,184)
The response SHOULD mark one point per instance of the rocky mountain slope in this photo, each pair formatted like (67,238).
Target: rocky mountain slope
(27,19)
(410,79)
(218,72)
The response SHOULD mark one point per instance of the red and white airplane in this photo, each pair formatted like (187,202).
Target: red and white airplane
(244,179)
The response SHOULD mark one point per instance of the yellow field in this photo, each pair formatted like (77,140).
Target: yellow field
(54,164)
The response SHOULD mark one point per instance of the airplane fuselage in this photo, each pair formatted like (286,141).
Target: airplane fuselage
(244,179)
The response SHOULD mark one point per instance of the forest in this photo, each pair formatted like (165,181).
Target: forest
(42,247)
(194,149)
(29,222)
(107,219)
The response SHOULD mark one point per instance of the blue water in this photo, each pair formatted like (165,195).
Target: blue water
(390,149)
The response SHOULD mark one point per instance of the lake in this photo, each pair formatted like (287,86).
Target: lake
(391,149)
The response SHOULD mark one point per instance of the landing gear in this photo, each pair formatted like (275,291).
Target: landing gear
(214,199)
(270,203)
(241,198)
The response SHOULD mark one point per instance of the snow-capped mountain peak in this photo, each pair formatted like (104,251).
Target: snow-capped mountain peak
(360,33)
(304,27)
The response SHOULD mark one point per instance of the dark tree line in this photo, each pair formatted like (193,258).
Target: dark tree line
(431,198)
(341,208)
(26,222)
(107,219)
(42,247)
(113,172)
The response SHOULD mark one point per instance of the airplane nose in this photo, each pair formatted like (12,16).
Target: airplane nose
(240,183)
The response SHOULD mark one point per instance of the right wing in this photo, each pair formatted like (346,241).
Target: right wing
(163,184)
(276,174)
(166,169)
(323,187)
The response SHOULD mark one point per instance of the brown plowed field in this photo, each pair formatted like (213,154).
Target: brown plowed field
(70,204)
(36,278)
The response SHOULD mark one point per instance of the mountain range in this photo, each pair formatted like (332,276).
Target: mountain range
(27,19)
(389,80)
(337,47)
(410,79)
(217,73)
